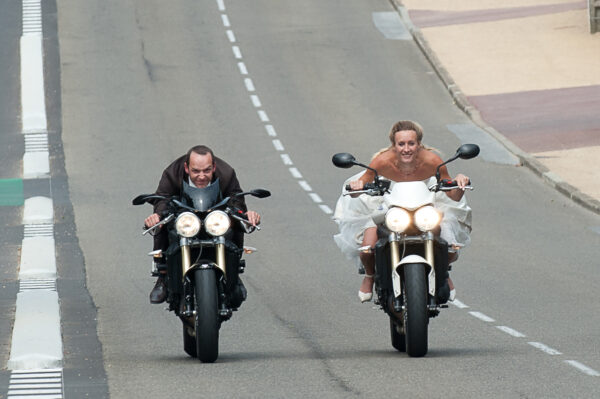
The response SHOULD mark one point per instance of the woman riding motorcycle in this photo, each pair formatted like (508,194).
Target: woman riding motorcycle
(407,159)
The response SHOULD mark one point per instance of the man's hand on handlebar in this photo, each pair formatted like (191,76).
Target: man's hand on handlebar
(151,220)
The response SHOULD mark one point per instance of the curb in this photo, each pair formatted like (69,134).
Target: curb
(473,113)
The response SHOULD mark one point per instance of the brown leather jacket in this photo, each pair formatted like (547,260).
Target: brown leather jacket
(173,176)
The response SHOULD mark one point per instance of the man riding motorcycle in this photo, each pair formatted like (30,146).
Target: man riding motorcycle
(197,169)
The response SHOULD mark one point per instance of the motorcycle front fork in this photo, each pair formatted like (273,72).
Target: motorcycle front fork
(428,241)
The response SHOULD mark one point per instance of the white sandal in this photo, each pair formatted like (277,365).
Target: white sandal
(366,296)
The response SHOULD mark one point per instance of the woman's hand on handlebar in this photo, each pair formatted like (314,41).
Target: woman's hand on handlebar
(462,181)
(355,185)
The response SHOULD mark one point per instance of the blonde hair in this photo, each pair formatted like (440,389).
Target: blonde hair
(398,127)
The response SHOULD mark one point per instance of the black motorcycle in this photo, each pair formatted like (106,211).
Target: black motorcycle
(203,262)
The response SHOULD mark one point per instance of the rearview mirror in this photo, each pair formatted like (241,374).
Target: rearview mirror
(467,151)
(343,160)
(140,199)
(260,193)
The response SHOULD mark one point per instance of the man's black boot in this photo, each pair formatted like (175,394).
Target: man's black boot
(159,292)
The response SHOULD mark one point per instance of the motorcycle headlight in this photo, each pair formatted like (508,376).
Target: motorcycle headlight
(397,220)
(427,218)
(187,224)
(217,223)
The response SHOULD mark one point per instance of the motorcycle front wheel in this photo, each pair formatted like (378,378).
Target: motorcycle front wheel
(207,315)
(416,317)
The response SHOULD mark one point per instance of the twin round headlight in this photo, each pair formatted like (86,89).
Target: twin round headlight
(426,218)
(216,224)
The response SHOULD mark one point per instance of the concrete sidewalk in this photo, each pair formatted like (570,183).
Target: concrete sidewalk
(528,72)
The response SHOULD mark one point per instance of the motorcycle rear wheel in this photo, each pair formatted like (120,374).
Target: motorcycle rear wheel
(416,318)
(398,339)
(189,343)
(207,315)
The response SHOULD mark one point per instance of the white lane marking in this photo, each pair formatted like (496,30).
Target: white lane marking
(482,317)
(583,367)
(230,35)
(277,144)
(221,5)
(37,284)
(459,304)
(326,209)
(263,116)
(255,101)
(510,331)
(391,26)
(33,104)
(36,311)
(315,197)
(32,17)
(286,159)
(36,142)
(38,230)
(296,173)
(305,185)
(545,348)
(242,68)
(36,165)
(249,85)
(236,52)
(225,20)
(38,210)
(271,130)
(38,258)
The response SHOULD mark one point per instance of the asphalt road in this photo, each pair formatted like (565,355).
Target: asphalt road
(142,81)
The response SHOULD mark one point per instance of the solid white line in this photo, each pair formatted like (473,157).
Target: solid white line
(255,100)
(459,304)
(482,317)
(271,130)
(230,35)
(36,341)
(249,84)
(326,209)
(510,331)
(33,104)
(263,116)
(305,185)
(242,68)
(583,367)
(277,144)
(38,258)
(315,197)
(38,210)
(296,173)
(221,5)
(36,165)
(225,20)
(286,159)
(544,348)
(236,52)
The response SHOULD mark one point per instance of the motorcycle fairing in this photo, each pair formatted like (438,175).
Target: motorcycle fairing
(413,259)
(409,195)
(202,198)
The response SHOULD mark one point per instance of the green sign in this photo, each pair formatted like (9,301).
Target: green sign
(11,192)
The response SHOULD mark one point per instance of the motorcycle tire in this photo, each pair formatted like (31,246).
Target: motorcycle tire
(416,318)
(398,339)
(189,343)
(207,315)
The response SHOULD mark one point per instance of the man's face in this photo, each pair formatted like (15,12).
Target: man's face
(200,169)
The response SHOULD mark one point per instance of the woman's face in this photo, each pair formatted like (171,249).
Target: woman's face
(406,145)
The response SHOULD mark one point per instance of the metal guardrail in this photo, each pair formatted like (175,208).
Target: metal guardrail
(594,15)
